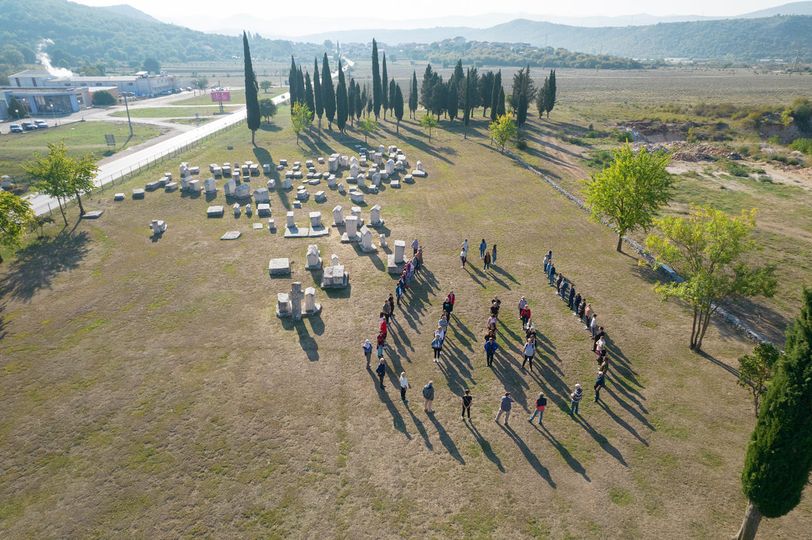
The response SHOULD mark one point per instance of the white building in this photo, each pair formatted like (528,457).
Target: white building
(141,84)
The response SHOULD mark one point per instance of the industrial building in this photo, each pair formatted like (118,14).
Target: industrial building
(142,84)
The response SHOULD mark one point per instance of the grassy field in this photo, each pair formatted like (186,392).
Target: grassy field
(173,112)
(149,390)
(237,96)
(79,137)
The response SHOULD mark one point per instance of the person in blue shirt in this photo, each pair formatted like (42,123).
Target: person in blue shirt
(504,408)
(490,350)
(483,247)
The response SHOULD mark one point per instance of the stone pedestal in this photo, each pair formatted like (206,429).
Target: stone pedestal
(229,187)
(296,296)
(210,186)
(283,306)
(366,240)
(375,216)
(290,220)
(338,216)
(261,195)
(382,239)
(315,219)
(313,257)
(350,230)
(310,305)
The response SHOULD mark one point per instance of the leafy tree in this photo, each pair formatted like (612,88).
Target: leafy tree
(503,129)
(496,92)
(81,180)
(17,109)
(39,223)
(251,90)
(756,370)
(799,113)
(11,56)
(267,109)
(299,118)
(309,101)
(317,93)
(384,87)
(341,100)
(266,86)
(103,98)
(152,65)
(367,126)
(413,95)
(630,192)
(53,174)
(201,83)
(709,249)
(377,90)
(16,217)
(397,105)
(779,455)
(438,96)
(428,122)
(328,95)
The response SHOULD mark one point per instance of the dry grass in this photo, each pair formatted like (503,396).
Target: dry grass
(149,390)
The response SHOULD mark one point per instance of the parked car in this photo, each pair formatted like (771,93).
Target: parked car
(15,128)
(41,124)
(29,126)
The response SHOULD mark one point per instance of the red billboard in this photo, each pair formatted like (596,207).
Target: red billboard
(219,96)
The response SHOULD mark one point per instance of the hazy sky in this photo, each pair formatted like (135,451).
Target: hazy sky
(372,9)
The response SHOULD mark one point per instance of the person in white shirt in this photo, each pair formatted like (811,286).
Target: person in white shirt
(404,385)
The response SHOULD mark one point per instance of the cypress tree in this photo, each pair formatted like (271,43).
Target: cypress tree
(300,86)
(452,99)
(328,96)
(341,100)
(550,97)
(309,95)
(293,77)
(466,103)
(392,86)
(500,102)
(397,105)
(426,88)
(384,87)
(779,455)
(541,98)
(251,90)
(377,99)
(317,97)
(485,87)
(459,82)
(438,89)
(351,100)
(497,88)
(364,109)
(413,93)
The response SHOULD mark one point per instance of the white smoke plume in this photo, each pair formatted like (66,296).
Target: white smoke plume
(45,60)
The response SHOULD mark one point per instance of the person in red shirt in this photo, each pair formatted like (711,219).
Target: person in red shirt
(525,316)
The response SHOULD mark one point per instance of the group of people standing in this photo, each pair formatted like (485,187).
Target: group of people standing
(442,325)
(488,257)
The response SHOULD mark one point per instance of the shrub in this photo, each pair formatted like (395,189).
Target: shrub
(803,145)
(103,98)
(624,136)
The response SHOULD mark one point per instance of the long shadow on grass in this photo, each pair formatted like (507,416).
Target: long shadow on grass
(308,344)
(445,439)
(502,272)
(486,447)
(531,458)
(420,428)
(622,423)
(38,263)
(505,368)
(604,443)
(397,418)
(574,464)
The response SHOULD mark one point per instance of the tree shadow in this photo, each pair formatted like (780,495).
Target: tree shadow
(531,458)
(36,265)
(447,442)
(263,156)
(730,369)
(486,447)
(574,464)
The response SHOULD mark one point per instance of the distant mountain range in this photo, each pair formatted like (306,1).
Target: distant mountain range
(121,35)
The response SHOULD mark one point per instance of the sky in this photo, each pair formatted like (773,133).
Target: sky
(419,9)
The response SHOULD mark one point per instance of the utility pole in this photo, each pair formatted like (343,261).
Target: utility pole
(127,106)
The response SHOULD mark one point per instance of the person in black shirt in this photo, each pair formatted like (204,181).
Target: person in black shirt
(381,371)
(466,404)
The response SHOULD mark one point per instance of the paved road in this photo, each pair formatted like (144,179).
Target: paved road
(116,168)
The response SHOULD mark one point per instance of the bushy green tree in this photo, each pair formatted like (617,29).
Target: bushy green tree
(756,370)
(16,217)
(266,86)
(710,250)
(367,126)
(299,119)
(428,122)
(267,109)
(103,98)
(502,130)
(152,65)
(630,192)
(779,456)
